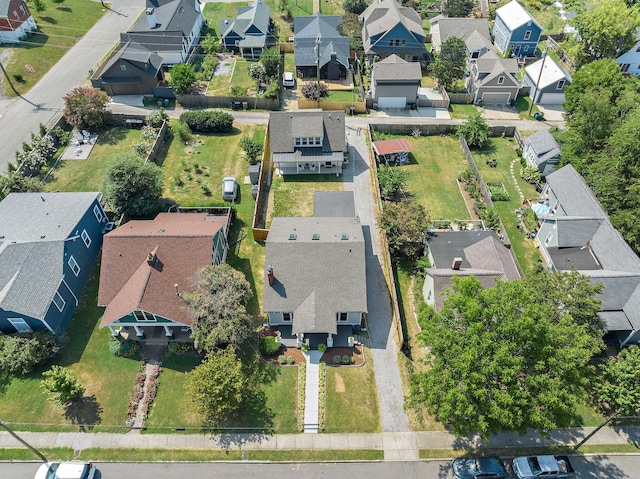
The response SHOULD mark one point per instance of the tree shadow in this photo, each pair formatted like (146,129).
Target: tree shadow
(111,135)
(5,380)
(84,412)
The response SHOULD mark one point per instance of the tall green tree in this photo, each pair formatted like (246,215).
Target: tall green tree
(605,29)
(86,107)
(351,27)
(270,58)
(219,307)
(218,387)
(355,6)
(405,223)
(133,187)
(619,389)
(503,359)
(61,384)
(391,180)
(450,63)
(182,78)
(475,130)
(459,8)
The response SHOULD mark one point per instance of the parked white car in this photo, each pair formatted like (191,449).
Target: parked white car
(66,470)
(288,80)
(229,188)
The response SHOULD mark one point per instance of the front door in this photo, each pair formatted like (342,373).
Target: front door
(516,50)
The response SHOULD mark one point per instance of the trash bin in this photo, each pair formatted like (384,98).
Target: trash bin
(166,102)
(245,105)
(537,116)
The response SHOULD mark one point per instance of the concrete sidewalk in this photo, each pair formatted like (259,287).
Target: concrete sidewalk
(396,445)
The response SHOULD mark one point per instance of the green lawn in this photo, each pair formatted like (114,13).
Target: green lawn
(504,150)
(220,84)
(241,74)
(341,95)
(436,162)
(87,175)
(60,26)
(292,195)
(461,111)
(214,12)
(352,399)
(106,398)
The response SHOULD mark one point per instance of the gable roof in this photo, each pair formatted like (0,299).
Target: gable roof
(182,243)
(256,15)
(394,68)
(514,15)
(315,279)
(286,125)
(382,15)
(306,32)
(544,145)
(139,57)
(497,67)
(443,28)
(552,73)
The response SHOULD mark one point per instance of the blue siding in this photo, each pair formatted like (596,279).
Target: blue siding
(400,32)
(7,327)
(505,39)
(501,35)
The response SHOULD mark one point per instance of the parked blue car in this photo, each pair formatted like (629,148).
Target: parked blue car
(478,468)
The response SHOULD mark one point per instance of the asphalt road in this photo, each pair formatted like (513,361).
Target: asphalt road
(587,467)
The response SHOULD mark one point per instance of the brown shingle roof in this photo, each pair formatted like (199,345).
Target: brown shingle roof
(182,244)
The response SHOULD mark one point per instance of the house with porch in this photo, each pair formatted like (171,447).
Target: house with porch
(546,87)
(317,35)
(516,30)
(391,29)
(576,233)
(250,32)
(315,280)
(169,28)
(304,142)
(147,267)
(395,82)
(443,28)
(541,150)
(629,61)
(49,243)
(16,21)
(465,253)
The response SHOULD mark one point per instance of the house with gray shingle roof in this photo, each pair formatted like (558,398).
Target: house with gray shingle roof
(546,87)
(170,28)
(315,279)
(391,29)
(516,30)
(16,21)
(443,28)
(250,32)
(333,48)
(395,82)
(306,142)
(48,246)
(465,253)
(541,151)
(577,234)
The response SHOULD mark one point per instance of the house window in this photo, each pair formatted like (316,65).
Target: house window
(23,10)
(624,68)
(328,164)
(296,141)
(123,67)
(342,316)
(20,325)
(527,34)
(526,48)
(500,80)
(549,238)
(97,211)
(142,316)
(560,85)
(397,42)
(475,54)
(15,14)
(59,301)
(287,316)
(75,267)
(86,238)
(403,42)
(390,43)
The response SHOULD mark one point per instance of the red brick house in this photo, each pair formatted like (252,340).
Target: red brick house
(15,21)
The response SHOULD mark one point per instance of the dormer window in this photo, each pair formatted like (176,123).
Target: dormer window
(307,141)
(500,80)
(560,85)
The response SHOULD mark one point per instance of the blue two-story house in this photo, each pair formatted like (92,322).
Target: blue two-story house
(517,30)
(48,246)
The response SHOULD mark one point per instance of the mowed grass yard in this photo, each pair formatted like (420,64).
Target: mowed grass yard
(60,27)
(292,195)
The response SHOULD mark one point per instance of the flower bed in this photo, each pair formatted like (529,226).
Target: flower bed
(353,356)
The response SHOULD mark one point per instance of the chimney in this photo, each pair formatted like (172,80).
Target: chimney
(151,17)
(457,262)
(334,57)
(270,276)
(151,257)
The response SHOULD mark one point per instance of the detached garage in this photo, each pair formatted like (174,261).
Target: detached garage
(392,102)
(395,82)
(553,82)
(496,98)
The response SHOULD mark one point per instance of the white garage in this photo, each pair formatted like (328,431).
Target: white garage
(551,99)
(392,102)
(496,98)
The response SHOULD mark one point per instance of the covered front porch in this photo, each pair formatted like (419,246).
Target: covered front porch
(298,164)
(153,334)
(340,340)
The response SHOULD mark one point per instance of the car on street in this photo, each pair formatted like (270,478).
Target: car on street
(229,188)
(66,470)
(478,468)
(288,80)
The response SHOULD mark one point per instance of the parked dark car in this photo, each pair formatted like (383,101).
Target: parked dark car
(478,468)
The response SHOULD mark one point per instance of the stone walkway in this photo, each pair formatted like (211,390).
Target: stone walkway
(513,177)
(140,419)
(311,392)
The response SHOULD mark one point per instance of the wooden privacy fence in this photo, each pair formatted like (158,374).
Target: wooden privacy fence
(203,101)
(260,232)
(359,106)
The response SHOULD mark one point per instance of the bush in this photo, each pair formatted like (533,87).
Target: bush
(337,359)
(304,348)
(346,359)
(531,174)
(310,91)
(290,360)
(124,348)
(269,346)
(178,349)
(156,118)
(21,353)
(208,121)
(282,359)
(238,91)
(322,347)
(181,130)
(272,91)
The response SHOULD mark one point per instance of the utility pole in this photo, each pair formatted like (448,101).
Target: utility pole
(535,89)
(22,441)
(6,75)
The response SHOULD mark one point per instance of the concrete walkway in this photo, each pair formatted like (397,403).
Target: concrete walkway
(311,392)
(394,444)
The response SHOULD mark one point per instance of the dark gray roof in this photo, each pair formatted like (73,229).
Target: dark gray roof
(315,279)
(382,16)
(257,15)
(448,245)
(544,145)
(576,198)
(286,125)
(139,57)
(334,204)
(576,230)
(443,28)
(306,31)
(573,257)
(397,70)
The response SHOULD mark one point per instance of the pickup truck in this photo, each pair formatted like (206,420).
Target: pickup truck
(549,467)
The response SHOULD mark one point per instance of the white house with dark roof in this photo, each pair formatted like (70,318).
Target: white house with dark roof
(170,28)
(465,253)
(48,246)
(541,150)
(315,278)
(395,82)
(16,21)
(576,234)
(548,87)
(306,142)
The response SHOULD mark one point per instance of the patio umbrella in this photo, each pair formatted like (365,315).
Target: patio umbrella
(540,209)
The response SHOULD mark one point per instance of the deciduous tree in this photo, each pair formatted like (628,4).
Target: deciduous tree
(61,384)
(86,107)
(351,27)
(450,63)
(355,6)
(270,58)
(619,389)
(218,306)
(252,149)
(504,358)
(310,90)
(391,180)
(405,223)
(475,131)
(458,8)
(182,78)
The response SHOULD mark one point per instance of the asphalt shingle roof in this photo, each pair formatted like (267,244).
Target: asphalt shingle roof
(306,31)
(334,204)
(255,15)
(284,126)
(443,28)
(551,73)
(383,16)
(396,69)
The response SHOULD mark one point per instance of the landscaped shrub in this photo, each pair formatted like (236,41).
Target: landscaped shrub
(346,359)
(337,359)
(531,174)
(208,121)
(282,359)
(178,349)
(290,360)
(156,118)
(272,91)
(269,346)
(498,191)
(124,347)
(21,353)
(322,347)
(181,130)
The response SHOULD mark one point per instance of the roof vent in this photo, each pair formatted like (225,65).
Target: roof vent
(344,236)
(457,262)
(315,236)
(292,236)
